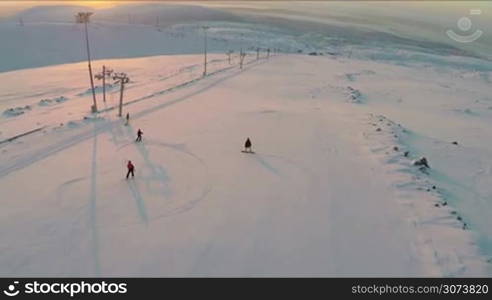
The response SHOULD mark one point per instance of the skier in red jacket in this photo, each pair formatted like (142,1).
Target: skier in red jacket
(131,169)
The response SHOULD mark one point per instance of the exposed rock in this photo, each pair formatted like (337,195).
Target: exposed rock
(421,162)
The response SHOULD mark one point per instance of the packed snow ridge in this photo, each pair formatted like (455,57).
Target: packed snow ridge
(429,210)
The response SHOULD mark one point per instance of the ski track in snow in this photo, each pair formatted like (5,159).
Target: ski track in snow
(93,207)
(158,173)
(73,140)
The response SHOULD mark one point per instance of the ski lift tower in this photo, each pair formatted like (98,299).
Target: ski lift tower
(205,50)
(122,79)
(84,18)
(106,73)
(241,53)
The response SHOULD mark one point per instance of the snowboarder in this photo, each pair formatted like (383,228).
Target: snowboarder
(127,118)
(139,135)
(131,169)
(247,146)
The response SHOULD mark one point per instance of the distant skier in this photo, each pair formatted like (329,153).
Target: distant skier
(127,118)
(131,169)
(139,135)
(247,146)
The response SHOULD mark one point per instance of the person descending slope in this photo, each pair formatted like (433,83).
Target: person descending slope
(127,118)
(131,169)
(247,146)
(139,135)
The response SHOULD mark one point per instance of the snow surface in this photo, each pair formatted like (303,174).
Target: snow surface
(318,198)
(331,191)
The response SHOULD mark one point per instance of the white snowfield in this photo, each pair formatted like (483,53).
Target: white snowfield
(325,194)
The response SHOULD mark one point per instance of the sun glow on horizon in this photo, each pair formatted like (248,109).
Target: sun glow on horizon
(97,4)
(90,3)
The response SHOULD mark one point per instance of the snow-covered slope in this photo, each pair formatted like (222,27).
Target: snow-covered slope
(43,36)
(333,189)
(42,44)
(47,35)
(318,198)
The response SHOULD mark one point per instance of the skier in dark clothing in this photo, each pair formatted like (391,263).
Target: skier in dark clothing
(131,169)
(127,118)
(247,146)
(139,136)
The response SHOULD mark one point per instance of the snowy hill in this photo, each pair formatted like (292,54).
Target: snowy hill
(167,14)
(52,14)
(48,35)
(325,194)
(337,185)
(47,43)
